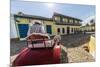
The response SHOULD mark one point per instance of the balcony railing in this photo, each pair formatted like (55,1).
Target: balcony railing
(67,23)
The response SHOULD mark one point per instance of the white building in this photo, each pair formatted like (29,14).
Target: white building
(13,29)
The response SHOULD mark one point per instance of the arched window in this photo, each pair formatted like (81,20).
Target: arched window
(63,30)
(72,30)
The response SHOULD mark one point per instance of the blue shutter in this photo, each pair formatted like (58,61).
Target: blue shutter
(23,29)
(48,29)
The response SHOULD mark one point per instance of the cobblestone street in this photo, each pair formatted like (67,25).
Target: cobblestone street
(71,44)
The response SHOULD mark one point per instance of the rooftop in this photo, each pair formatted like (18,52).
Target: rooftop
(58,14)
(43,18)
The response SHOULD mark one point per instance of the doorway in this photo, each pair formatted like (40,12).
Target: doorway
(68,30)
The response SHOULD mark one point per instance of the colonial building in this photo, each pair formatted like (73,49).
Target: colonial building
(89,27)
(59,23)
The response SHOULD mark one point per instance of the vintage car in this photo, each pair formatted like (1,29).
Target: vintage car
(40,50)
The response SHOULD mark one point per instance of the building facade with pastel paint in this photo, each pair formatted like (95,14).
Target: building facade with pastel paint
(13,30)
(59,23)
(89,27)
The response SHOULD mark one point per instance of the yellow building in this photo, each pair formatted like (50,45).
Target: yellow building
(89,27)
(57,24)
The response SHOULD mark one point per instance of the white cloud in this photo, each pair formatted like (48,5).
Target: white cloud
(87,20)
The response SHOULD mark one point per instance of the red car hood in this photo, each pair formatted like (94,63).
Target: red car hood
(38,56)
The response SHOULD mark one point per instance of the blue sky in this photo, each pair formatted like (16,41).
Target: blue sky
(46,10)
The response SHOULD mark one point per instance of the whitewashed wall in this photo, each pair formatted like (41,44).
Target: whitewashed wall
(13,30)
